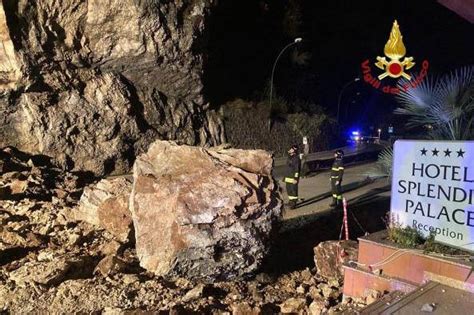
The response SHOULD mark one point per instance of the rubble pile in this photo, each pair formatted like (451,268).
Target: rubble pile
(51,261)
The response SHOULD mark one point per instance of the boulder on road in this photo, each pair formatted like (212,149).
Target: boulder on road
(203,214)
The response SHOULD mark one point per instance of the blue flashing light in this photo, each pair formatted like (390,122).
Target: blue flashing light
(355,133)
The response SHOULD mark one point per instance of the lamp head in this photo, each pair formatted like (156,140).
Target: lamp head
(297,40)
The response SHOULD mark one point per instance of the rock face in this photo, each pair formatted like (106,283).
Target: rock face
(106,205)
(92,83)
(203,214)
(329,257)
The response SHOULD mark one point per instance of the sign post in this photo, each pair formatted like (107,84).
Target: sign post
(433,189)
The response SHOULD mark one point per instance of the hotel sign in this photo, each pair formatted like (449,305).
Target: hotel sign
(433,189)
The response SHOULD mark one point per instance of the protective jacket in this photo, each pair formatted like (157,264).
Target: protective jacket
(337,171)
(292,178)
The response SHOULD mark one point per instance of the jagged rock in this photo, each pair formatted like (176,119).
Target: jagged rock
(203,214)
(427,307)
(317,307)
(110,248)
(194,293)
(328,292)
(28,176)
(372,295)
(293,305)
(9,239)
(106,205)
(110,265)
(78,86)
(245,309)
(52,272)
(329,257)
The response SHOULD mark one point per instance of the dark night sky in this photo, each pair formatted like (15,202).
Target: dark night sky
(247,35)
(430,31)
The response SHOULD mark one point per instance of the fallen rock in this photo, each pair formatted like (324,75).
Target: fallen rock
(110,265)
(327,291)
(110,248)
(52,272)
(330,256)
(106,205)
(428,307)
(9,239)
(245,309)
(317,307)
(293,305)
(203,214)
(372,295)
(194,293)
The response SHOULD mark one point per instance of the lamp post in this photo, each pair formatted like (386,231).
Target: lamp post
(296,41)
(340,95)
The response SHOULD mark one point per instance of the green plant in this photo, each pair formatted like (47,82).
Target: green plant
(431,246)
(405,236)
(444,107)
(409,237)
(383,167)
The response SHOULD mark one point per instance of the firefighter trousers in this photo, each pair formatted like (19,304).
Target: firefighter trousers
(336,191)
(292,191)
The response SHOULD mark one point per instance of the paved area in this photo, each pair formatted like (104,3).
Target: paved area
(323,159)
(315,190)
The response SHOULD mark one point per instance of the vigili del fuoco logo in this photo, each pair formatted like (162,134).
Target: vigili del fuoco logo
(394,65)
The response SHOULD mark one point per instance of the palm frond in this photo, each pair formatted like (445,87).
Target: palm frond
(446,104)
(383,167)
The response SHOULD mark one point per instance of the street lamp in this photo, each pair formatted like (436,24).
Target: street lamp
(296,41)
(340,95)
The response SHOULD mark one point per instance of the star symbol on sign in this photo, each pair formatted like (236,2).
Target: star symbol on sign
(447,152)
(435,152)
(460,153)
(423,151)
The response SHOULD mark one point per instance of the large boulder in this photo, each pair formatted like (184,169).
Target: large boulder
(203,214)
(106,206)
(330,256)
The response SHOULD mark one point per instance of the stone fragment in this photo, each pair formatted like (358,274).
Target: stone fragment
(372,295)
(314,292)
(52,272)
(330,256)
(327,291)
(317,307)
(245,308)
(18,187)
(110,265)
(428,307)
(194,293)
(203,214)
(293,305)
(106,205)
(110,248)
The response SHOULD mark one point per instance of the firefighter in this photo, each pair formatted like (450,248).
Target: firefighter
(337,171)
(292,176)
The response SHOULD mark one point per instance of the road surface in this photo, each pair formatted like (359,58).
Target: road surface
(316,195)
(323,160)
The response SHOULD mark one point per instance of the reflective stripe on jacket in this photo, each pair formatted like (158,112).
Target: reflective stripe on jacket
(337,170)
